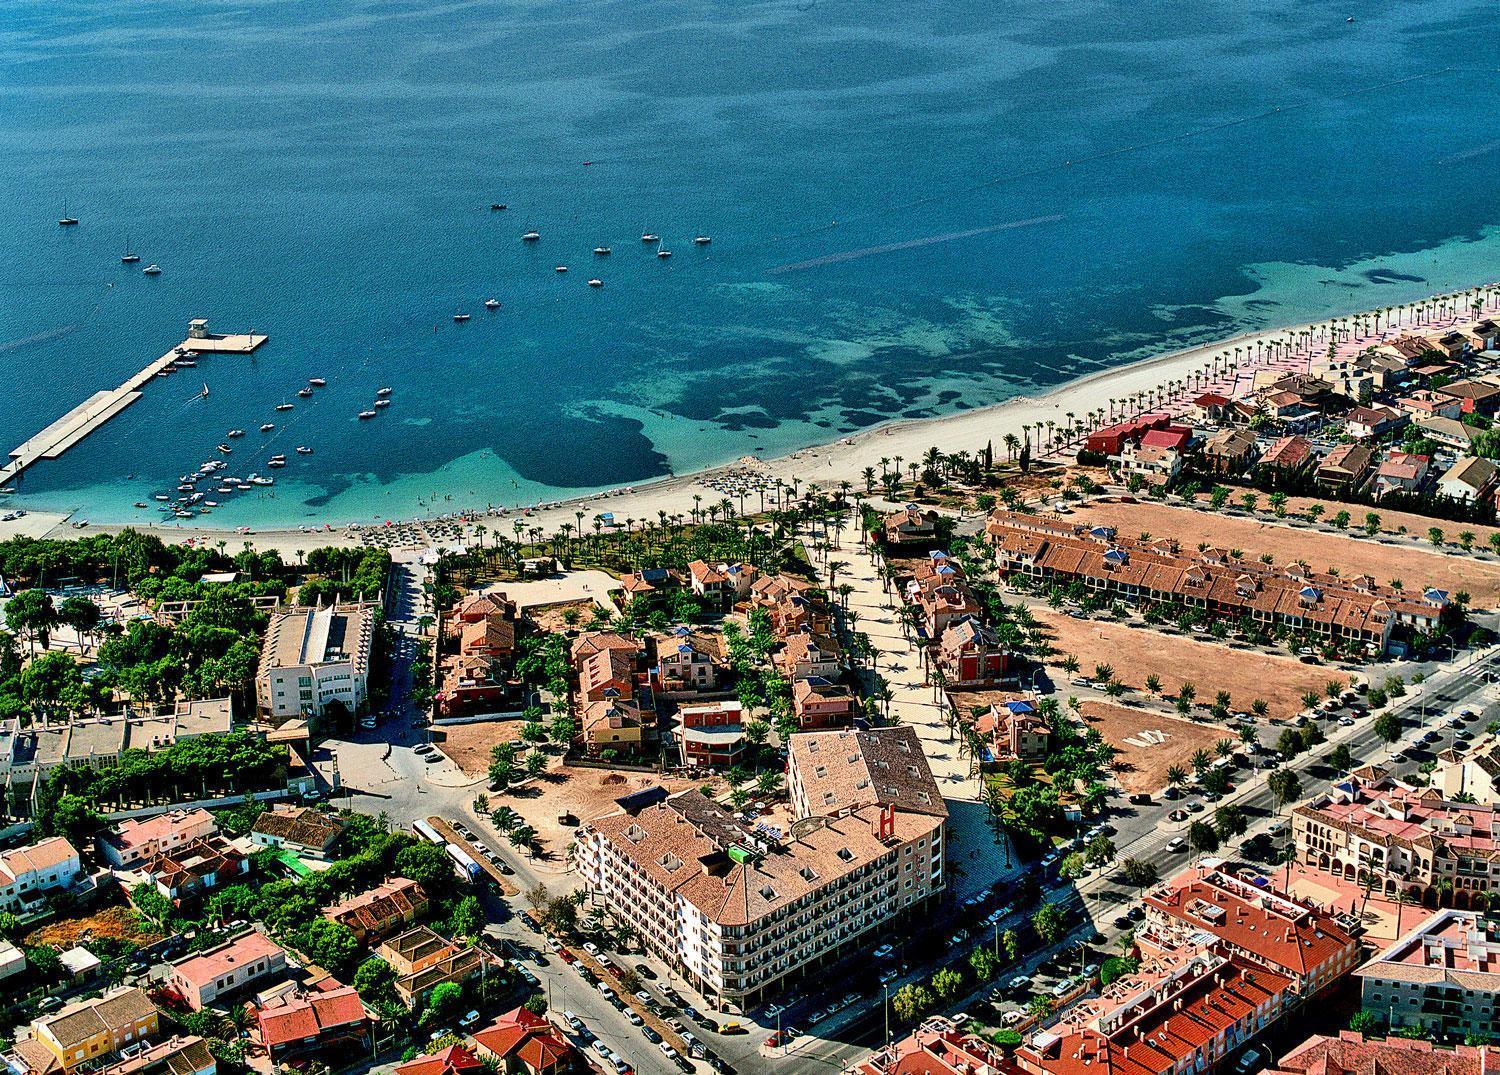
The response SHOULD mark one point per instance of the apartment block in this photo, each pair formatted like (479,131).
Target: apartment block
(740,907)
(203,978)
(1443,975)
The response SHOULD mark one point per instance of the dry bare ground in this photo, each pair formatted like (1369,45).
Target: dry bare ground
(118,922)
(1417,568)
(1210,667)
(469,744)
(1149,743)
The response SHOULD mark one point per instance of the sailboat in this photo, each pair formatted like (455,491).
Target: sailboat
(204,393)
(66,221)
(128,258)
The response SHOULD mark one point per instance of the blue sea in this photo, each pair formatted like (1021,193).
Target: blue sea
(914,208)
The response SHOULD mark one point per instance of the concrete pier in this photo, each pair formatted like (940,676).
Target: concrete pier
(99,408)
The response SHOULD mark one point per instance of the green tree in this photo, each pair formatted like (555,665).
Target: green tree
(331,945)
(443,1004)
(911,1002)
(151,905)
(375,980)
(1230,821)
(1388,727)
(1285,786)
(1341,758)
(467,919)
(947,984)
(1202,837)
(1050,923)
(1364,1021)
(1011,942)
(426,864)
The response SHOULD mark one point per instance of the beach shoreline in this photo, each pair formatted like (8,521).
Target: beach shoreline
(843,460)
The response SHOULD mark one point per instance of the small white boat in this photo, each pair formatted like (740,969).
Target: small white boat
(596,282)
(303,449)
(226,449)
(276,462)
(244,486)
(304,393)
(701,240)
(152,270)
(185,363)
(461,317)
(67,221)
(382,403)
(316,382)
(129,259)
(531,236)
(210,503)
(368,414)
(663,252)
(162,496)
(382,391)
(184,514)
(267,427)
(140,504)
(492,304)
(285,406)
(648,237)
(226,489)
(262,479)
(235,433)
(601,251)
(561,268)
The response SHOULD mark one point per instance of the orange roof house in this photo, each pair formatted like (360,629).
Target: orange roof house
(523,1042)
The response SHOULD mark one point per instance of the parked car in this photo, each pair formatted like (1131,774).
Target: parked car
(1176,844)
(885,951)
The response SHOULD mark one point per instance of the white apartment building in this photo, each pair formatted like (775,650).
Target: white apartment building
(1443,976)
(139,840)
(314,656)
(742,908)
(26,872)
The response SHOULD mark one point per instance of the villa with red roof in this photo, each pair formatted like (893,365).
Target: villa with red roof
(298,1027)
(454,1060)
(1351,1053)
(522,1043)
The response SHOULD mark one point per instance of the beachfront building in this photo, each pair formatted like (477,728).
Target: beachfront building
(741,909)
(1373,830)
(909,526)
(312,657)
(202,978)
(1353,611)
(87,1032)
(1109,440)
(1474,773)
(1443,976)
(28,873)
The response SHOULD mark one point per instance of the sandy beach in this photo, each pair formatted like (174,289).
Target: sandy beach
(1282,350)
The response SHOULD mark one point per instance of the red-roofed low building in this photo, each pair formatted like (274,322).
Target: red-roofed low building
(521,1042)
(1250,923)
(1209,407)
(1288,454)
(300,1027)
(1110,439)
(937,1047)
(454,1060)
(203,978)
(1352,1053)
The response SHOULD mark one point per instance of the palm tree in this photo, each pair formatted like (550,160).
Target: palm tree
(1176,776)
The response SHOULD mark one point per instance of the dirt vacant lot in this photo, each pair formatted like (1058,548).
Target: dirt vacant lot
(585,793)
(1134,653)
(469,744)
(119,923)
(1149,743)
(1416,568)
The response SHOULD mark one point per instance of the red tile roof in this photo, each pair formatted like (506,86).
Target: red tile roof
(1353,1054)
(454,1060)
(528,1038)
(307,1017)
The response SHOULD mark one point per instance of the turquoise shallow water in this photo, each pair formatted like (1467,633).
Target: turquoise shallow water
(1021,195)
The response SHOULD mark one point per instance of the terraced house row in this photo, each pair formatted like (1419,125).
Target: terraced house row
(1356,609)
